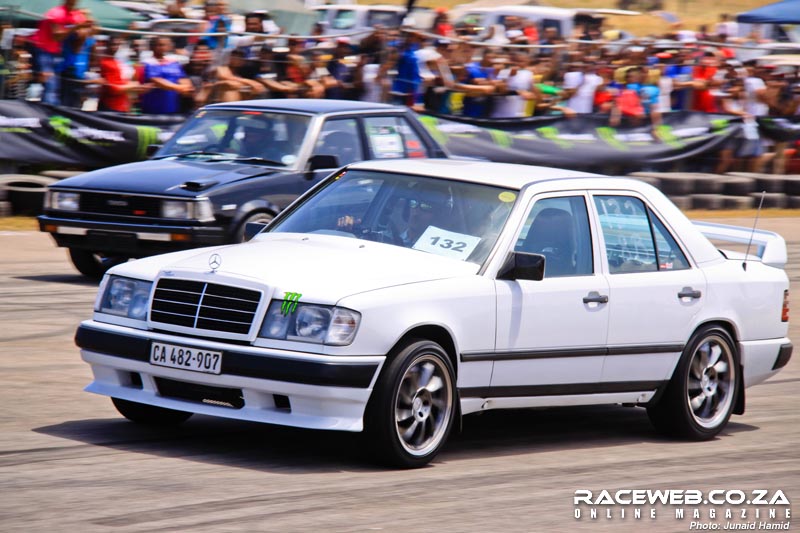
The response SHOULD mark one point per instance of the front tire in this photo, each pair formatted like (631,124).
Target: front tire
(701,396)
(262,217)
(149,415)
(413,406)
(91,264)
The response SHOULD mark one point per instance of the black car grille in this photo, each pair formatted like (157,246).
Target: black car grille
(120,204)
(205,306)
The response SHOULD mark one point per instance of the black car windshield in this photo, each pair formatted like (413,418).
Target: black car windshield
(456,219)
(257,136)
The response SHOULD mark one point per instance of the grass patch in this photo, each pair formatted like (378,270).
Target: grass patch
(18,224)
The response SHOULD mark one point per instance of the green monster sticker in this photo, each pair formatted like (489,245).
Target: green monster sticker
(290,300)
(551,134)
(146,135)
(609,135)
(61,126)
(664,133)
(501,138)
(432,125)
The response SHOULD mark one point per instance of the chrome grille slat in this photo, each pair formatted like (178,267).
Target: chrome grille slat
(205,306)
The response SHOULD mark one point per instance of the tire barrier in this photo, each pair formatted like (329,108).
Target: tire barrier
(736,190)
(24,192)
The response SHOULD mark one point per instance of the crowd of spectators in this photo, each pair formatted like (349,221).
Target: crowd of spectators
(518,69)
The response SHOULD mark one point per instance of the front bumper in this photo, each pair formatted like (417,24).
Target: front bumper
(129,239)
(272,386)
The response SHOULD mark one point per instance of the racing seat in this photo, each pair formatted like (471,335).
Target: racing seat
(552,235)
(342,145)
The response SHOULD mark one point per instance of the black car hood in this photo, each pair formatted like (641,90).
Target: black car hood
(166,176)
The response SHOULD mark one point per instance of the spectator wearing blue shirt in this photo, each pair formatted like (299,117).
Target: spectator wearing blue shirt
(406,86)
(681,73)
(480,73)
(164,79)
(76,53)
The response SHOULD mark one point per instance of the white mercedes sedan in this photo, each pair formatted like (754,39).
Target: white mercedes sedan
(396,296)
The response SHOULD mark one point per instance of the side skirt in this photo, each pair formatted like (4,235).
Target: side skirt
(486,398)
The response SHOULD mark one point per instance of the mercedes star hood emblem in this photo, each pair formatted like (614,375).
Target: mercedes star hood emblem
(215,261)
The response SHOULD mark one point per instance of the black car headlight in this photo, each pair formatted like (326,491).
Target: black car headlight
(187,210)
(63,201)
(126,297)
(321,324)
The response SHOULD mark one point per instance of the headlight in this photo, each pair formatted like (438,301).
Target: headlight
(184,210)
(176,209)
(126,297)
(64,201)
(321,324)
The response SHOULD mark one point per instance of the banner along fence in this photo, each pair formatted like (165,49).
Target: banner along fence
(38,134)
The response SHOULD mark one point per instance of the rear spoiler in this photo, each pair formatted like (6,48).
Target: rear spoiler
(766,246)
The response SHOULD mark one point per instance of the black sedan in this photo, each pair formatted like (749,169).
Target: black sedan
(230,164)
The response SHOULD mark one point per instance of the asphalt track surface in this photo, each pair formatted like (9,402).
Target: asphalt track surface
(69,462)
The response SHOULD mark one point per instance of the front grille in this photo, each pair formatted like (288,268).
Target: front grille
(194,392)
(207,306)
(120,204)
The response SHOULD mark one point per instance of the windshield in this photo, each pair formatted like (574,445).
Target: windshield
(273,137)
(446,217)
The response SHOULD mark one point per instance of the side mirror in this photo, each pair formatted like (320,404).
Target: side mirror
(320,161)
(151,149)
(522,265)
(251,229)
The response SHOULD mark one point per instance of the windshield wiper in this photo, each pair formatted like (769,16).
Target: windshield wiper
(260,160)
(195,152)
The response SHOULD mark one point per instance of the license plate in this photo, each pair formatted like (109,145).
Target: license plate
(185,358)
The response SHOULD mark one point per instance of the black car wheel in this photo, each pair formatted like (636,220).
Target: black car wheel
(262,217)
(700,398)
(91,264)
(413,406)
(149,415)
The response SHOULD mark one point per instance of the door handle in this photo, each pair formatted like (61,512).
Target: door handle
(688,292)
(595,297)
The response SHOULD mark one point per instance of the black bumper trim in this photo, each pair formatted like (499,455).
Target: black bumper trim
(589,351)
(784,354)
(120,237)
(237,363)
(561,389)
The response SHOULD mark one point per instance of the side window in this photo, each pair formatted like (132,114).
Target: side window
(393,138)
(558,228)
(389,19)
(340,138)
(627,233)
(670,256)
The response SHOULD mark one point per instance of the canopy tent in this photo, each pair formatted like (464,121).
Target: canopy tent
(107,15)
(291,15)
(785,12)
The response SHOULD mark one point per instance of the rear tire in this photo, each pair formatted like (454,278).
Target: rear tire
(413,406)
(149,415)
(701,396)
(91,264)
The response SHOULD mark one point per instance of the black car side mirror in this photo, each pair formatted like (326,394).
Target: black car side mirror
(251,229)
(522,265)
(151,149)
(320,161)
